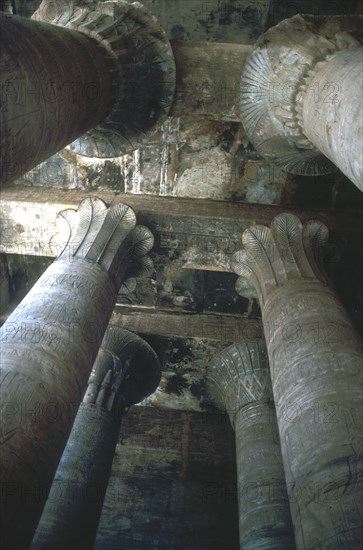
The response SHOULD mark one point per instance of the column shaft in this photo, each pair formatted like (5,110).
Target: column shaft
(73,508)
(332,112)
(48,346)
(56,84)
(316,369)
(264,515)
(239,382)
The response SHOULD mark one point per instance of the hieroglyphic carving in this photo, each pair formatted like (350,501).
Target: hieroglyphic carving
(238,381)
(126,371)
(197,241)
(274,83)
(161,215)
(60,325)
(315,359)
(238,376)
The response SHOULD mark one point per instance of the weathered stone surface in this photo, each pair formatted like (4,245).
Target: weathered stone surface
(184,364)
(207,326)
(126,370)
(316,359)
(48,345)
(190,156)
(330,111)
(145,70)
(208,79)
(303,102)
(233,21)
(28,222)
(236,21)
(238,381)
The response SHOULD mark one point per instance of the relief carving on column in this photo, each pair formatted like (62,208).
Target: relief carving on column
(315,360)
(286,251)
(105,236)
(239,376)
(146,81)
(238,381)
(275,78)
(49,343)
(125,372)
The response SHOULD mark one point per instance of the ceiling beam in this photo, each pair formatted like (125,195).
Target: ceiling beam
(209,326)
(193,233)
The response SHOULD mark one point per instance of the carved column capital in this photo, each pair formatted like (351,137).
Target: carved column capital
(49,344)
(126,371)
(239,376)
(275,80)
(131,35)
(284,252)
(238,381)
(108,237)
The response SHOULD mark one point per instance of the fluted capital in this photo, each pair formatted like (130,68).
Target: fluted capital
(125,372)
(275,78)
(145,80)
(105,236)
(239,376)
(274,256)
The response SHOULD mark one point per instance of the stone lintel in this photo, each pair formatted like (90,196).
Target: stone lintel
(203,233)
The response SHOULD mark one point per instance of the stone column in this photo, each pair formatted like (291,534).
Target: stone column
(96,76)
(48,346)
(301,102)
(316,370)
(126,371)
(238,382)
